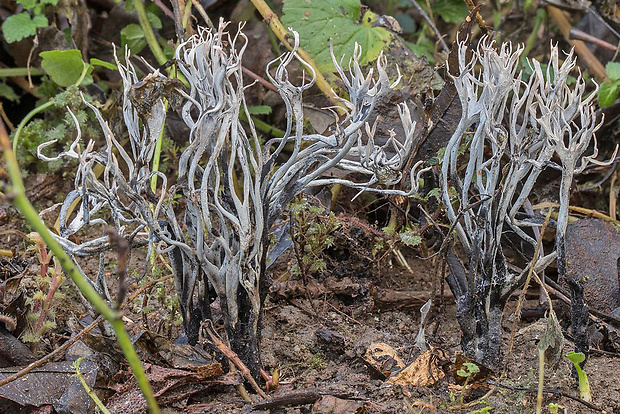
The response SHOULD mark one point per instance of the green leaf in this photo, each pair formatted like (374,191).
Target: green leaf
(451,11)
(28,4)
(318,20)
(8,93)
(407,24)
(103,63)
(50,2)
(410,237)
(471,367)
(576,357)
(424,47)
(608,93)
(259,109)
(613,70)
(154,20)
(20,26)
(65,67)
(132,35)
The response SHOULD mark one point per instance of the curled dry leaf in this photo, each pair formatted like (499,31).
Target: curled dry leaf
(425,371)
(383,359)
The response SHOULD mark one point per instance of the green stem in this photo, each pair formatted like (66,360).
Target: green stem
(187,14)
(149,35)
(263,126)
(8,72)
(17,193)
(27,118)
(541,15)
(82,76)
(157,154)
(541,380)
(89,391)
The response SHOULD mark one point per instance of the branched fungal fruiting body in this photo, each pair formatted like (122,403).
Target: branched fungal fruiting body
(514,128)
(233,188)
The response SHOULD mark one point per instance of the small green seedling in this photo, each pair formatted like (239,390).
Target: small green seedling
(470,370)
(584,386)
(554,408)
(608,91)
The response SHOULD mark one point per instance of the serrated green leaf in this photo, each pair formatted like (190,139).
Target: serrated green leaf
(20,26)
(65,67)
(132,36)
(8,93)
(608,93)
(318,20)
(612,69)
(410,237)
(103,63)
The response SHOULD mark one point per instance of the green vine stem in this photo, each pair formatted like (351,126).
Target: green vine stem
(17,194)
(27,118)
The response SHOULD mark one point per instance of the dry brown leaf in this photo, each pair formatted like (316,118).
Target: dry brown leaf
(383,358)
(423,372)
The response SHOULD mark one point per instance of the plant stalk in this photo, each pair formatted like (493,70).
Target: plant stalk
(149,35)
(541,380)
(17,193)
(9,72)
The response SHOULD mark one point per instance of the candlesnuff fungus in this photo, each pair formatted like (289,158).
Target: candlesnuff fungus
(511,129)
(233,188)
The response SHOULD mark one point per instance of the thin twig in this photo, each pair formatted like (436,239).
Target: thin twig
(233,357)
(576,34)
(483,26)
(582,50)
(588,212)
(431,24)
(122,248)
(259,79)
(204,14)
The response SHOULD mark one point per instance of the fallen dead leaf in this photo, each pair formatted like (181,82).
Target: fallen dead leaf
(425,371)
(383,359)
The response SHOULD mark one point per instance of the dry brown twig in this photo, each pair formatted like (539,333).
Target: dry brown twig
(233,357)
